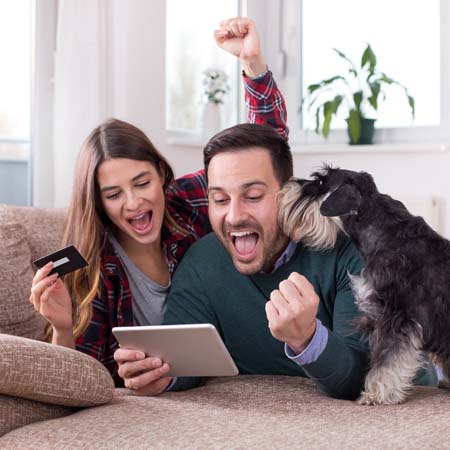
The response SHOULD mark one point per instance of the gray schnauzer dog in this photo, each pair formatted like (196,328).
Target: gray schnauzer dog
(403,292)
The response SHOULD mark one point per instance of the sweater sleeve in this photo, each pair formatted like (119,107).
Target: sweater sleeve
(340,369)
(188,303)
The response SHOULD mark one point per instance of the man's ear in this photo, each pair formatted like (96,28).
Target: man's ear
(343,201)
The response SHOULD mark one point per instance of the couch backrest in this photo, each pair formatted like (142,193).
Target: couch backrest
(26,233)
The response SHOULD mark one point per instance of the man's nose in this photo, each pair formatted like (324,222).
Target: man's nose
(236,212)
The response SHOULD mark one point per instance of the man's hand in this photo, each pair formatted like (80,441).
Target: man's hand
(144,375)
(239,37)
(291,312)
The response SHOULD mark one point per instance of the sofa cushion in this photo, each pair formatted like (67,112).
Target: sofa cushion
(18,412)
(17,315)
(44,226)
(49,373)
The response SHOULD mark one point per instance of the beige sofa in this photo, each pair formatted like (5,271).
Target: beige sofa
(51,397)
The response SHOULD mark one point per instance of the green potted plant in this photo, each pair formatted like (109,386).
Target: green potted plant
(358,91)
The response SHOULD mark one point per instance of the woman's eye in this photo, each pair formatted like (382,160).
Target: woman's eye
(144,183)
(113,196)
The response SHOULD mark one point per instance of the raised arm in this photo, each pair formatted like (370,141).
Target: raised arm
(265,103)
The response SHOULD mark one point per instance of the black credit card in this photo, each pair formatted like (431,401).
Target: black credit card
(65,261)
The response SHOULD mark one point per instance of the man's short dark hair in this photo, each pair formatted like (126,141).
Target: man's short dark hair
(248,135)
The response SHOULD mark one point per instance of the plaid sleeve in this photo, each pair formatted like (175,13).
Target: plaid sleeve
(109,309)
(188,203)
(265,103)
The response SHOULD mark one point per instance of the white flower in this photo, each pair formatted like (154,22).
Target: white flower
(215,85)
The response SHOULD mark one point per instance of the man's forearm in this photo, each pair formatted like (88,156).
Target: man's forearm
(340,369)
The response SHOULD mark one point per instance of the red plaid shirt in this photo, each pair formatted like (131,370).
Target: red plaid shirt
(187,202)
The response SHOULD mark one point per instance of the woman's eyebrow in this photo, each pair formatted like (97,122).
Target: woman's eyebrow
(139,175)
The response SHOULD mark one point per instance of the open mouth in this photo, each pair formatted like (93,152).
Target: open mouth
(143,223)
(244,243)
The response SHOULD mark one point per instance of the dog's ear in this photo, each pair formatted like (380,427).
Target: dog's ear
(343,201)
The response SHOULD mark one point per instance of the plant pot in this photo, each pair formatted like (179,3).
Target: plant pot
(367,130)
(211,119)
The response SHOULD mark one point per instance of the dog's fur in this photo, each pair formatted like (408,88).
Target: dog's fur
(403,292)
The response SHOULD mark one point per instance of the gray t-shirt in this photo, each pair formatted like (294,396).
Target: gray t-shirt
(148,297)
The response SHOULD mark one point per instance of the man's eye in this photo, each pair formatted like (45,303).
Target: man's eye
(219,201)
(254,198)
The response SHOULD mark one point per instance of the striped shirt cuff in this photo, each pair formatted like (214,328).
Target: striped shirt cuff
(313,350)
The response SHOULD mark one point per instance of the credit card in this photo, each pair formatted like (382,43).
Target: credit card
(65,261)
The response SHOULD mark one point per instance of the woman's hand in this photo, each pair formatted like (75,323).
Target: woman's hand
(51,299)
(144,375)
(239,37)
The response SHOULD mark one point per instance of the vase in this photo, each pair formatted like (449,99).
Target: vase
(211,119)
(367,131)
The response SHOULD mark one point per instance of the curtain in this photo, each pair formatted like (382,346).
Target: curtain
(81,83)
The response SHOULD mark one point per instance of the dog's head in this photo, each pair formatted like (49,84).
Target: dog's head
(310,210)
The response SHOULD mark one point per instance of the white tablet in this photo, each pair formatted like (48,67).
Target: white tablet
(190,350)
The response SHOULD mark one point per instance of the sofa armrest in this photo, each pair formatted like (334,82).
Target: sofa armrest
(48,373)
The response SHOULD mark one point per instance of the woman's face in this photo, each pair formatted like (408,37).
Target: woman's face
(133,198)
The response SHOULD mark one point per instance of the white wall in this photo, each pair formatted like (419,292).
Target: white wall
(403,172)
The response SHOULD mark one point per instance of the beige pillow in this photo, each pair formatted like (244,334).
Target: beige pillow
(52,374)
(18,412)
(17,315)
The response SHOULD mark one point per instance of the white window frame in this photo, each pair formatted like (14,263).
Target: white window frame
(41,181)
(279,24)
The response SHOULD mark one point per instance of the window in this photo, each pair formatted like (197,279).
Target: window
(409,37)
(190,49)
(391,28)
(16,20)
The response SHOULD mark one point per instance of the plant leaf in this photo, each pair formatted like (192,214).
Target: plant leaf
(385,79)
(330,108)
(343,56)
(375,88)
(327,113)
(318,121)
(313,87)
(357,98)
(412,104)
(369,57)
(354,125)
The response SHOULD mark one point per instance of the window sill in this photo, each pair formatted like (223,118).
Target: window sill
(14,159)
(426,147)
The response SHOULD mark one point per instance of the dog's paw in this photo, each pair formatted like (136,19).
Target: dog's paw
(367,398)
(377,398)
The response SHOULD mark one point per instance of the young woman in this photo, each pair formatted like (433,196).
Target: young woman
(133,222)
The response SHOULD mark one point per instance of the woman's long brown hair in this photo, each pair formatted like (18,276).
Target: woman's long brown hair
(86,222)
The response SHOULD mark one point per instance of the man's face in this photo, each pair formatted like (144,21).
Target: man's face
(242,191)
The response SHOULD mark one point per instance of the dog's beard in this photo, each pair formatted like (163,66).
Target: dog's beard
(301,220)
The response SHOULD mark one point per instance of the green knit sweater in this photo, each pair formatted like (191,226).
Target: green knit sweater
(208,289)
